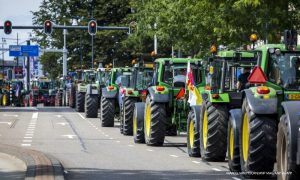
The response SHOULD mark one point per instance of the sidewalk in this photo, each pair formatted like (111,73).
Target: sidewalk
(21,163)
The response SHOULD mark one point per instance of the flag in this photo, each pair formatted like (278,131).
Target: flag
(194,94)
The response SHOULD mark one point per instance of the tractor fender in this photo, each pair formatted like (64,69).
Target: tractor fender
(90,90)
(236,120)
(292,112)
(197,112)
(160,98)
(109,94)
(261,106)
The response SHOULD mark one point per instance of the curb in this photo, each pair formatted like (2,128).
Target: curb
(39,165)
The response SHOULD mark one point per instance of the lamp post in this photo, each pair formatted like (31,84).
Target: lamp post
(75,21)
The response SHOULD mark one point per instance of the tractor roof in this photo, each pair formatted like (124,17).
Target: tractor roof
(265,47)
(89,70)
(231,54)
(176,60)
(121,68)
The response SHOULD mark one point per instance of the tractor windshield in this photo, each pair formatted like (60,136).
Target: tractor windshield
(284,69)
(175,74)
(143,79)
(90,76)
(123,78)
(44,85)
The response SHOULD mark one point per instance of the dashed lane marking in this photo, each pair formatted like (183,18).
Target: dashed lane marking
(26,141)
(62,123)
(81,116)
(35,115)
(70,136)
(118,141)
(130,145)
(235,178)
(150,150)
(29,134)
(174,156)
(111,138)
(27,137)
(196,162)
(12,115)
(106,135)
(25,144)
(9,123)
(216,169)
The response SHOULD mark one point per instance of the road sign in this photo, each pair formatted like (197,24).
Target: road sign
(30,50)
(15,50)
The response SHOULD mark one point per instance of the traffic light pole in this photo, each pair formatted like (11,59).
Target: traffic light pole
(65,54)
(28,70)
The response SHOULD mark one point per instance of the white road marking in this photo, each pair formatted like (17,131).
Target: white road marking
(70,136)
(29,134)
(62,123)
(32,126)
(106,135)
(149,150)
(29,131)
(196,162)
(27,140)
(111,138)
(27,137)
(216,169)
(35,115)
(118,141)
(25,144)
(59,116)
(81,116)
(235,178)
(130,145)
(103,133)
(9,123)
(12,115)
(174,156)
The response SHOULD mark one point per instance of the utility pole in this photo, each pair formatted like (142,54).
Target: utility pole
(65,53)
(28,69)
(3,41)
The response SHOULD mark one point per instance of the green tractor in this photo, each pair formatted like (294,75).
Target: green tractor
(61,94)
(75,78)
(41,91)
(166,108)
(111,101)
(208,121)
(87,94)
(271,105)
(136,92)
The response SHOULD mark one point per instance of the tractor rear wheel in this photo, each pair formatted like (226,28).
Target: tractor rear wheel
(107,112)
(257,141)
(138,123)
(155,122)
(283,147)
(128,108)
(193,135)
(213,131)
(91,106)
(1,95)
(233,148)
(72,99)
(80,102)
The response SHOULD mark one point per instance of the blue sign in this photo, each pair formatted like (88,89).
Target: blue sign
(30,50)
(15,50)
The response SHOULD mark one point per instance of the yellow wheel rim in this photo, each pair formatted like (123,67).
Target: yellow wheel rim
(4,100)
(134,125)
(191,133)
(245,137)
(148,119)
(231,143)
(204,129)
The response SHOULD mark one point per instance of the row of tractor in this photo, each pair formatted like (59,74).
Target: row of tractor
(240,104)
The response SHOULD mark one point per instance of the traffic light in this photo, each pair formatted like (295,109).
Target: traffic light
(92,28)
(48,27)
(7,27)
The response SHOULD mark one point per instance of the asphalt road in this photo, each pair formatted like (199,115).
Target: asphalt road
(89,151)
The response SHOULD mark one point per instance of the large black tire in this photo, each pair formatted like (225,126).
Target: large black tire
(233,148)
(171,130)
(260,150)
(155,122)
(213,140)
(107,112)
(128,108)
(193,133)
(58,99)
(33,102)
(1,99)
(91,106)
(80,101)
(287,170)
(72,99)
(138,123)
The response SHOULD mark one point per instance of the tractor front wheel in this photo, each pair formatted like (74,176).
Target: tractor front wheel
(138,123)
(193,134)
(233,148)
(283,155)
(213,131)
(72,99)
(155,122)
(91,106)
(107,112)
(80,102)
(128,108)
(257,141)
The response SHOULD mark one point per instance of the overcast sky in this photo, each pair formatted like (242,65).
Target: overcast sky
(18,12)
